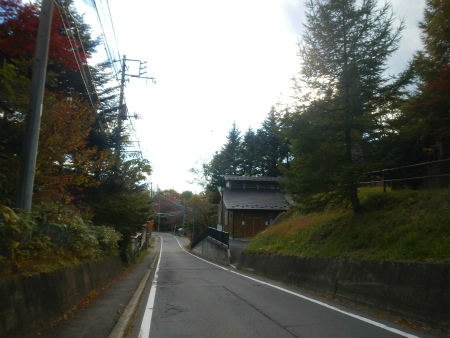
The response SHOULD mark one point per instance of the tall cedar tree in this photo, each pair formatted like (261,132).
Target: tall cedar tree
(251,154)
(343,54)
(428,110)
(275,151)
(232,151)
(227,161)
(260,153)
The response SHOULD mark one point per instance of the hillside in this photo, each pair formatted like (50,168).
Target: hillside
(403,225)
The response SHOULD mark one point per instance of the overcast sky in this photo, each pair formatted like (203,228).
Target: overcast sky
(215,63)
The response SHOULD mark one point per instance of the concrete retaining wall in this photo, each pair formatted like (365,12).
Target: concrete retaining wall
(418,292)
(213,250)
(30,304)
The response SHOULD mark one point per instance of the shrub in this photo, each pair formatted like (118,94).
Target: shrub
(35,240)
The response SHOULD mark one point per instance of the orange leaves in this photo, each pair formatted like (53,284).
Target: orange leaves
(64,159)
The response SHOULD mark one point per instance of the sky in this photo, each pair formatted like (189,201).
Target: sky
(215,63)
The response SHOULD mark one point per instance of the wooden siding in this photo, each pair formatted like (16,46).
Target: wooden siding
(247,223)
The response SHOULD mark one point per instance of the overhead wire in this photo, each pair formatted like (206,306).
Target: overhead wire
(99,9)
(79,61)
(103,10)
(174,203)
(108,52)
(82,47)
(75,51)
(114,31)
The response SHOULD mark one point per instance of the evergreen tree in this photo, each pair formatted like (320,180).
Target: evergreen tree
(251,154)
(344,51)
(274,150)
(227,161)
(232,152)
(213,172)
(427,112)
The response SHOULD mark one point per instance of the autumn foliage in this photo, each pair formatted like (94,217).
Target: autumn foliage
(18,34)
(78,172)
(65,159)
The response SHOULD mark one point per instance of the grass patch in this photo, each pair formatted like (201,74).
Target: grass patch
(401,225)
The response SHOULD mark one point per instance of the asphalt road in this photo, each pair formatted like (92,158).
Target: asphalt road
(191,297)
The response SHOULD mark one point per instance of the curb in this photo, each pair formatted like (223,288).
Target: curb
(124,322)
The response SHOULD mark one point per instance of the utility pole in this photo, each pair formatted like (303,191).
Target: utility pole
(122,108)
(193,226)
(122,113)
(30,146)
(159,212)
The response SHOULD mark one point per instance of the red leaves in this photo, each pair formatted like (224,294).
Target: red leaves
(18,34)
(439,90)
(443,85)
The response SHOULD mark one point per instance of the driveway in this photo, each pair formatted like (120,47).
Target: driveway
(236,246)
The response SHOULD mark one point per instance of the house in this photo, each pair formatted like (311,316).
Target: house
(248,204)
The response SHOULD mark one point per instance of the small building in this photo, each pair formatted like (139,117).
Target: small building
(248,204)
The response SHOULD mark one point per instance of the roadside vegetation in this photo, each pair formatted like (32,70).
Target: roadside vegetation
(404,225)
(350,117)
(43,241)
(90,194)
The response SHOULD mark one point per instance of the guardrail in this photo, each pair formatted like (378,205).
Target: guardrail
(427,174)
(220,236)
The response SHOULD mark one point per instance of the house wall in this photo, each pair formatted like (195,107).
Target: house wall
(247,223)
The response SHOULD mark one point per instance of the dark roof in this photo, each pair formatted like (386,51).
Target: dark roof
(251,178)
(239,199)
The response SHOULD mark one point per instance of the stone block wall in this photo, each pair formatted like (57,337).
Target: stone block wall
(28,305)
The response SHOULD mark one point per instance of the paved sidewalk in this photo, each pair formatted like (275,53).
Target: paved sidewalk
(109,314)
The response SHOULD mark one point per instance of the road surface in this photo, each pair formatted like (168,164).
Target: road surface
(191,297)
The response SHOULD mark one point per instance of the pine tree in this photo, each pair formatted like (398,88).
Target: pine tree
(251,154)
(232,151)
(343,54)
(427,112)
(227,161)
(274,150)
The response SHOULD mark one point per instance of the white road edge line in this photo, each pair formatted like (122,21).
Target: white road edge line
(369,321)
(144,332)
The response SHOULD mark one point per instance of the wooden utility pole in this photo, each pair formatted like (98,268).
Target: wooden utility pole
(30,146)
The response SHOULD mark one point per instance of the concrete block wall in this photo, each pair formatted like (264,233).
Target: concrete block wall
(30,304)
(418,292)
(213,250)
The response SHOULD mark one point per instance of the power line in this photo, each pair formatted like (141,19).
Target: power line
(84,51)
(112,25)
(75,52)
(80,62)
(105,19)
(108,52)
